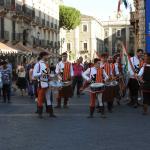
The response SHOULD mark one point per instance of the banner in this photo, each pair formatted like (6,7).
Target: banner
(147,24)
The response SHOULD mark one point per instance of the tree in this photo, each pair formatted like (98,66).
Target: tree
(69,18)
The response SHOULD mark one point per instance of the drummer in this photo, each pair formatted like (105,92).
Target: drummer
(64,71)
(98,75)
(107,64)
(41,73)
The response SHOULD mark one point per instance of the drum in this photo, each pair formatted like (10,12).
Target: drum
(55,84)
(112,84)
(67,83)
(110,91)
(66,90)
(97,87)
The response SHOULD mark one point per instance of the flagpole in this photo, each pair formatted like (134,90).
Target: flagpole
(131,63)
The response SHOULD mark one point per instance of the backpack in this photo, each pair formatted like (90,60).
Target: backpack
(1,83)
(6,77)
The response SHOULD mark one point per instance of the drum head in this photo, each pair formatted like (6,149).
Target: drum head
(97,85)
(55,84)
(112,83)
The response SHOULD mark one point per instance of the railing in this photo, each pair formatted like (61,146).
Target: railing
(19,9)
(43,22)
(56,26)
(47,23)
(38,20)
(55,44)
(16,37)
(36,42)
(83,51)
(52,25)
(27,11)
(33,13)
(51,44)
(43,43)
(2,3)
(8,4)
(6,35)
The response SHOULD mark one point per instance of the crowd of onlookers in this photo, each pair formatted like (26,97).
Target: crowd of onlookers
(21,76)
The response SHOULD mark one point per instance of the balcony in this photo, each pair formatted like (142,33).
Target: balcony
(47,24)
(36,42)
(56,26)
(17,37)
(7,4)
(5,36)
(48,44)
(44,43)
(52,25)
(83,51)
(19,9)
(38,21)
(51,44)
(27,13)
(55,45)
(44,24)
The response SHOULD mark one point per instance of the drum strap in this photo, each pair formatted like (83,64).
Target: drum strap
(99,75)
(107,68)
(66,74)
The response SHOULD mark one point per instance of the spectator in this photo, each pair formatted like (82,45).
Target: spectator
(77,80)
(6,78)
(21,82)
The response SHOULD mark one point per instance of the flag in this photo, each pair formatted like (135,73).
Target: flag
(120,2)
(125,3)
(126,63)
(125,60)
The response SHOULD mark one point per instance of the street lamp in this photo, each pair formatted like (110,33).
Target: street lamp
(38,36)
(61,43)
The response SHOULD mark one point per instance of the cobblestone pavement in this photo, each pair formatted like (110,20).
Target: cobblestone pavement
(21,129)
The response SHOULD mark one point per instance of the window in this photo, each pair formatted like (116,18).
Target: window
(85,29)
(106,33)
(118,33)
(85,46)
(68,46)
(131,33)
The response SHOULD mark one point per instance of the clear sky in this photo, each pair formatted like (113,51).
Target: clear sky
(98,8)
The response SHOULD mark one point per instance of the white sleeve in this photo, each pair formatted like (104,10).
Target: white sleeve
(57,69)
(86,73)
(105,75)
(37,70)
(130,69)
(141,72)
(116,69)
(71,71)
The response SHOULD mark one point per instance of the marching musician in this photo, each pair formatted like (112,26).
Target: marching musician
(41,73)
(108,66)
(98,75)
(64,71)
(144,74)
(133,84)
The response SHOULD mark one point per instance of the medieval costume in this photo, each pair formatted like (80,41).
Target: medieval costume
(145,76)
(133,84)
(97,75)
(64,70)
(41,73)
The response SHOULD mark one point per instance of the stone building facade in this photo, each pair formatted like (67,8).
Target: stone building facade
(30,26)
(138,22)
(85,40)
(118,31)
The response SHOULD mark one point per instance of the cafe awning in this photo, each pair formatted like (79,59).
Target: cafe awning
(5,49)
